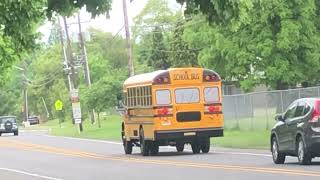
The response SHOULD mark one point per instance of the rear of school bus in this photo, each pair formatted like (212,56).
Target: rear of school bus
(188,109)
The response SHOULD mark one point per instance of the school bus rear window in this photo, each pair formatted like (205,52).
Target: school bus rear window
(211,94)
(187,95)
(163,97)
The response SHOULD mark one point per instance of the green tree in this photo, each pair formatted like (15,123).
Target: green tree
(155,14)
(273,43)
(182,55)
(67,7)
(158,58)
(104,94)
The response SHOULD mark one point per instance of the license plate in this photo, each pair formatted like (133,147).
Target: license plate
(190,134)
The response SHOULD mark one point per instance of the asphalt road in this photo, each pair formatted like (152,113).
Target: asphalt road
(37,156)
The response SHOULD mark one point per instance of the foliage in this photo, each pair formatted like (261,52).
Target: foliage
(18,22)
(156,14)
(182,55)
(67,7)
(158,58)
(105,93)
(54,37)
(47,81)
(258,42)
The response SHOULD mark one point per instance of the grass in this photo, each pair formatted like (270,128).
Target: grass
(244,139)
(111,125)
(110,129)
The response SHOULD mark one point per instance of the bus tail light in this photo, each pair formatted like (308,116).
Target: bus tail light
(213,109)
(164,111)
(210,76)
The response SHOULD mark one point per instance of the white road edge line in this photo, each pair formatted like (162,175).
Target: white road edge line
(29,174)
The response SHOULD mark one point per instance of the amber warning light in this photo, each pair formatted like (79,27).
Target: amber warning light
(210,76)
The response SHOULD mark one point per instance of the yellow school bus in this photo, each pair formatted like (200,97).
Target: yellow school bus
(172,107)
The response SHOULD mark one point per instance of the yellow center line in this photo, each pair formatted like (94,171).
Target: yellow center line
(82,154)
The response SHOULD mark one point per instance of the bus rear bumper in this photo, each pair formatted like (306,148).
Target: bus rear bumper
(188,133)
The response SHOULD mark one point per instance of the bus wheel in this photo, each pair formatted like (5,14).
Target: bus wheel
(180,146)
(154,149)
(127,145)
(205,145)
(144,144)
(195,147)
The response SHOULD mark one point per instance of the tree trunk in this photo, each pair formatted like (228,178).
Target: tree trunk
(99,123)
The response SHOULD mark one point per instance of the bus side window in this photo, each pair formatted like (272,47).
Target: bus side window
(129,97)
(134,97)
(143,96)
(149,96)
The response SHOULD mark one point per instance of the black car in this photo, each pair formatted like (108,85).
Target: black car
(8,124)
(297,132)
(33,120)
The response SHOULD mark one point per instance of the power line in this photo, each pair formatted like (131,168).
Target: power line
(48,77)
(40,85)
(116,35)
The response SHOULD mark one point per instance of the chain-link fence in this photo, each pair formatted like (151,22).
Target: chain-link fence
(256,111)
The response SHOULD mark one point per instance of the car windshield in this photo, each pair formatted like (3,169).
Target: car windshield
(5,119)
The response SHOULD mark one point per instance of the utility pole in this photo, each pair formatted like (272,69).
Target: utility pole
(69,54)
(24,90)
(65,58)
(86,64)
(129,47)
(74,93)
(25,93)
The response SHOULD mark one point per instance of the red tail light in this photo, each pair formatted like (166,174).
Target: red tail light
(164,111)
(210,76)
(213,109)
(316,113)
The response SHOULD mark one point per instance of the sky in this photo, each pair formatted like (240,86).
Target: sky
(113,25)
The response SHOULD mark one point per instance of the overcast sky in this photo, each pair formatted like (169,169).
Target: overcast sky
(113,25)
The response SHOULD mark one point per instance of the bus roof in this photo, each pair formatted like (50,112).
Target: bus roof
(145,78)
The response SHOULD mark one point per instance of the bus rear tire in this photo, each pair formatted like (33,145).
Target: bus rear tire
(180,146)
(144,144)
(154,148)
(195,147)
(205,145)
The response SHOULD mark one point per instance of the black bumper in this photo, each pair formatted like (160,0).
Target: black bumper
(8,131)
(188,133)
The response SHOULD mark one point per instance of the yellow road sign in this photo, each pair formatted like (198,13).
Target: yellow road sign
(58,105)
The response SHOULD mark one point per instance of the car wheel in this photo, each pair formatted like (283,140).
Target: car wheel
(304,157)
(277,156)
(180,146)
(144,144)
(0,134)
(195,147)
(127,145)
(154,148)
